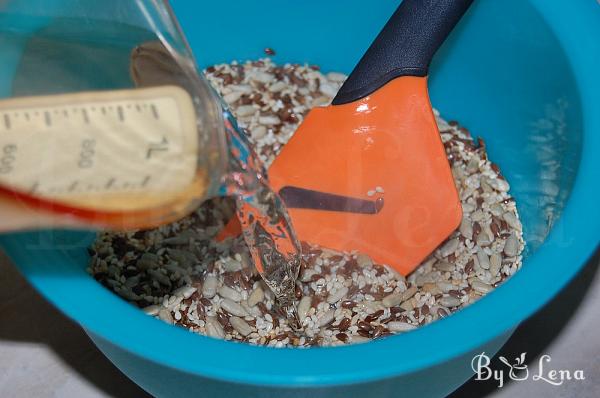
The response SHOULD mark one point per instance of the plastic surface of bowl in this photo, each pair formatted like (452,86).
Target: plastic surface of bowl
(519,73)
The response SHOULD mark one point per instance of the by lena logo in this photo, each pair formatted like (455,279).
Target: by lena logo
(519,370)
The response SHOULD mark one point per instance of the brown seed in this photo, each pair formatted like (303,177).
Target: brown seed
(298,292)
(363,325)
(363,333)
(344,324)
(469,267)
(281,336)
(201,311)
(442,312)
(425,309)
(348,304)
(379,331)
(223,319)
(495,229)
(343,337)
(373,316)
(396,310)
(417,312)
(206,302)
(455,293)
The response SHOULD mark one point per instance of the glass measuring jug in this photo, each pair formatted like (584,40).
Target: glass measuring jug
(108,123)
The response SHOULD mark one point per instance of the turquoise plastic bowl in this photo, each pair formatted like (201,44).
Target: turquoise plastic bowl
(522,74)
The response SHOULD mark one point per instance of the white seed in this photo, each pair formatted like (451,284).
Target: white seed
(258,132)
(269,120)
(209,288)
(328,89)
(473,165)
(481,287)
(165,315)
(185,291)
(231,265)
(445,266)
(256,296)
(400,326)
(243,88)
(214,328)
(495,264)
(148,261)
(245,110)
(232,96)
(409,293)
(240,326)
(233,308)
(326,318)
(499,184)
(483,239)
(449,301)
(511,247)
(466,228)
(177,315)
(151,310)
(407,305)
(379,189)
(370,193)
(277,86)
(160,277)
(392,300)
(363,260)
(303,307)
(262,77)
(511,220)
(445,286)
(227,292)
(484,260)
(449,248)
(497,209)
(337,295)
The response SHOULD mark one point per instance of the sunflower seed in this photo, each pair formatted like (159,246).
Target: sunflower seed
(240,326)
(337,295)
(400,326)
(392,300)
(233,308)
(256,296)
(229,293)
(209,288)
(511,246)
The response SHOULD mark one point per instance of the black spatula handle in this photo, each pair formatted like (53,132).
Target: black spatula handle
(404,47)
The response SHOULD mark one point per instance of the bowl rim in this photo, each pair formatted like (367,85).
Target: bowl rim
(312,367)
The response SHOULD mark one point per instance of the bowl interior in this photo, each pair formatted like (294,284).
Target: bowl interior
(509,82)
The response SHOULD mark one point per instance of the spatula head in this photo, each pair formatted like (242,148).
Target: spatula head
(371,176)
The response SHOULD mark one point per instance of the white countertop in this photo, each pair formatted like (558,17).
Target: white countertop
(43,354)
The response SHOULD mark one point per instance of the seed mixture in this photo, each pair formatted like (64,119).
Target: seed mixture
(181,275)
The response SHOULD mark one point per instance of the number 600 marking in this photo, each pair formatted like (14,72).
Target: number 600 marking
(86,156)
(7,158)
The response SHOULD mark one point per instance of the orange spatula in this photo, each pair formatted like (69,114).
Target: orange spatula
(369,172)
